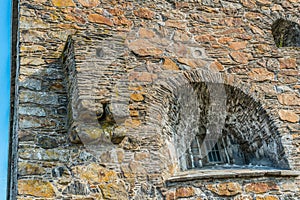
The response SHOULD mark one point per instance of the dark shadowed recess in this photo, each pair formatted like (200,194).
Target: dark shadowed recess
(248,136)
(286,33)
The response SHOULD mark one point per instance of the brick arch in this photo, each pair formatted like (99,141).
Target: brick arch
(263,139)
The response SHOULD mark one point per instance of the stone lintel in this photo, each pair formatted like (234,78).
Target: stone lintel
(221,174)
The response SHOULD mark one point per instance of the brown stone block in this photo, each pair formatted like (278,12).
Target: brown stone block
(268,197)
(261,74)
(100,19)
(141,156)
(170,195)
(238,45)
(189,62)
(94,173)
(240,57)
(184,192)
(264,2)
(257,30)
(29,169)
(114,191)
(137,97)
(262,48)
(132,123)
(216,66)
(287,79)
(249,3)
(287,63)
(146,33)
(116,11)
(121,20)
(181,36)
(37,188)
(277,7)
(204,38)
(176,24)
(289,116)
(144,48)
(144,13)
(89,3)
(225,189)
(32,61)
(243,197)
(63,3)
(74,18)
(170,65)
(225,40)
(232,31)
(142,76)
(289,99)
(261,187)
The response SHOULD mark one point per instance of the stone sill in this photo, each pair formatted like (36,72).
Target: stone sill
(192,175)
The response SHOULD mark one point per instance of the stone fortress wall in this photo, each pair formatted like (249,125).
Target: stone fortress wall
(97,79)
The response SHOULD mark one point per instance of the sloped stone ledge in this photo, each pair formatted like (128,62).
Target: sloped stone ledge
(193,175)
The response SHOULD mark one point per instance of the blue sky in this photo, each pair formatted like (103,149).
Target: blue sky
(5,19)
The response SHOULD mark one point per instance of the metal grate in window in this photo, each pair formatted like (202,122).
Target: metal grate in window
(212,148)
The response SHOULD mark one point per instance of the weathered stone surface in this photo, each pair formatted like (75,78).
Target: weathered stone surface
(289,116)
(47,142)
(240,57)
(184,192)
(261,74)
(63,3)
(146,33)
(76,188)
(94,173)
(89,3)
(262,187)
(181,36)
(289,99)
(144,13)
(268,197)
(40,154)
(99,65)
(225,189)
(32,23)
(137,97)
(145,48)
(100,19)
(39,97)
(170,195)
(287,63)
(243,197)
(114,191)
(141,156)
(36,188)
(176,24)
(37,111)
(30,169)
(238,45)
(32,61)
(264,2)
(27,121)
(170,64)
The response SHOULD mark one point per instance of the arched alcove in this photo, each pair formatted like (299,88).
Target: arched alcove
(286,33)
(209,120)
(226,127)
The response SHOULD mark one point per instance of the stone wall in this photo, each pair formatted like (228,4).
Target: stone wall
(97,80)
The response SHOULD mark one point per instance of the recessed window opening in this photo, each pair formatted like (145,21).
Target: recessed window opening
(286,33)
(247,138)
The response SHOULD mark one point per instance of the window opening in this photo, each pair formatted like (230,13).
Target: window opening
(286,33)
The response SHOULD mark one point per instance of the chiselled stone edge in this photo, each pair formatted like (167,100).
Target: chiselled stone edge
(221,174)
